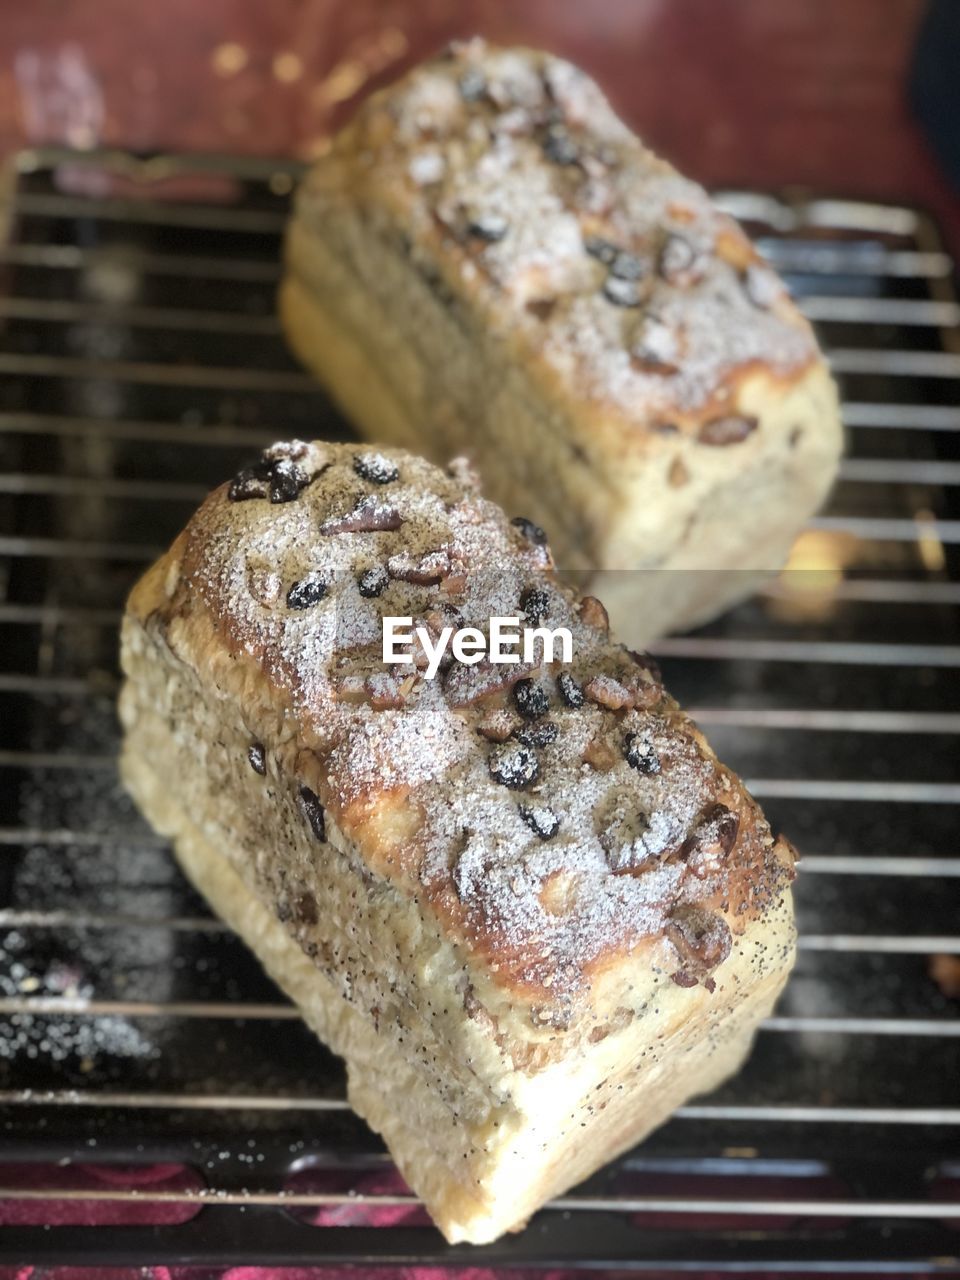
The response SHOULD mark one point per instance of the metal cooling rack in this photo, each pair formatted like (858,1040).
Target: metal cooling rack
(141,363)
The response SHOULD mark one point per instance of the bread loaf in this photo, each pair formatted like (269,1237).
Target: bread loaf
(487,261)
(525,902)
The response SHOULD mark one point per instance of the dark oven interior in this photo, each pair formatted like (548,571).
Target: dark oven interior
(160,1100)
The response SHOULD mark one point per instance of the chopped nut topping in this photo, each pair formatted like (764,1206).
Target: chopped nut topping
(443,614)
(684,979)
(647,664)
(351,689)
(370,515)
(656,348)
(593,614)
(387,692)
(712,838)
(466,684)
(623,840)
(264,583)
(599,755)
(637,841)
(702,939)
(407,686)
(498,726)
(645,689)
(427,570)
(609,693)
(560,893)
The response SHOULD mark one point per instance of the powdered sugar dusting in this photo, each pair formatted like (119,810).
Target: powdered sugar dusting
(398,749)
(519,160)
(542,860)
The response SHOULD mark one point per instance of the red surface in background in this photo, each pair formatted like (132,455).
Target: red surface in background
(755,92)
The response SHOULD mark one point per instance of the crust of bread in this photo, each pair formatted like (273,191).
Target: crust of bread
(436,339)
(482,1161)
(354,829)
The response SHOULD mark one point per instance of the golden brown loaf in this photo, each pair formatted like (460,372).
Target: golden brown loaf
(526,903)
(487,261)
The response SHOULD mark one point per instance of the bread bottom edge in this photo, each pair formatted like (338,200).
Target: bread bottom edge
(537,1161)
